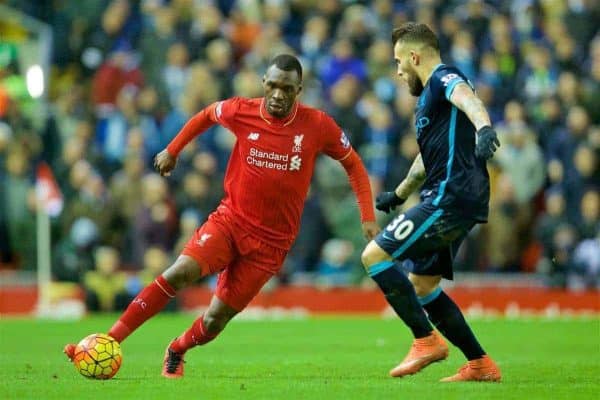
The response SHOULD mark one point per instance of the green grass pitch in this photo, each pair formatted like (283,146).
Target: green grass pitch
(318,358)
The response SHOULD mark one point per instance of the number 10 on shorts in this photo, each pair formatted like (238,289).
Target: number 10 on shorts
(401,227)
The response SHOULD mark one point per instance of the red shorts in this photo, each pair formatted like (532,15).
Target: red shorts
(245,263)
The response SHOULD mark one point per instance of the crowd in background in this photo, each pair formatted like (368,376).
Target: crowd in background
(126,75)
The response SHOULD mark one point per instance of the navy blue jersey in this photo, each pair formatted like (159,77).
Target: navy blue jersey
(456,179)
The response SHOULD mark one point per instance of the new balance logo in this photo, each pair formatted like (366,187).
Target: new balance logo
(253,136)
(203,238)
(295,163)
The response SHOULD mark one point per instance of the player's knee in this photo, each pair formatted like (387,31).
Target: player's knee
(182,273)
(372,254)
(423,285)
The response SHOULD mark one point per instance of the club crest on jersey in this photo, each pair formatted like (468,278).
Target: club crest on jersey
(345,141)
(298,143)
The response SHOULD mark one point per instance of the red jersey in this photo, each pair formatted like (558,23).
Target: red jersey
(272,163)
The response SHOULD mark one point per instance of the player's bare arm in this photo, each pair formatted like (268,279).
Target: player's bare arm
(465,99)
(164,163)
(414,179)
(387,201)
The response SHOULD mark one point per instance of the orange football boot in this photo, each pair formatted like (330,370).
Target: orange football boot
(172,364)
(423,352)
(483,369)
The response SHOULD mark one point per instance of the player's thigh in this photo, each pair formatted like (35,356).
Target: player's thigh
(241,281)
(427,267)
(373,254)
(424,284)
(211,246)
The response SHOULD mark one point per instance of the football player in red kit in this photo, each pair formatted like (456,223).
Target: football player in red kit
(247,237)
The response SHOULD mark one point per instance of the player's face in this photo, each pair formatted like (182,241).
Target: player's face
(281,89)
(405,60)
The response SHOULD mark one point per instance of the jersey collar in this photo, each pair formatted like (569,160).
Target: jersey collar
(433,72)
(271,120)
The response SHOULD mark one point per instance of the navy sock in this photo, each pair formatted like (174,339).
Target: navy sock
(449,320)
(400,294)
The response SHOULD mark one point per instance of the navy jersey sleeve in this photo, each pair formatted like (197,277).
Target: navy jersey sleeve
(445,79)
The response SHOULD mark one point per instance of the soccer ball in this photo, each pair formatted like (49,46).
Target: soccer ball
(97,356)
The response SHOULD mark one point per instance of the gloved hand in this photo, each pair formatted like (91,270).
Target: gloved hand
(387,201)
(487,142)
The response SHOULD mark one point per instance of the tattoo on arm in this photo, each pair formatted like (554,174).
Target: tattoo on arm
(415,178)
(467,101)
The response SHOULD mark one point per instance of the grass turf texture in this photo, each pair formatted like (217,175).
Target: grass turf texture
(321,358)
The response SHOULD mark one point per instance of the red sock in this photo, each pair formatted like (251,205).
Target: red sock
(148,303)
(196,335)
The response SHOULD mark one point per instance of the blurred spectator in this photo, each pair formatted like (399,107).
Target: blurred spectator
(18,207)
(503,220)
(520,157)
(589,221)
(105,285)
(155,222)
(336,266)
(72,256)
(342,62)
(585,272)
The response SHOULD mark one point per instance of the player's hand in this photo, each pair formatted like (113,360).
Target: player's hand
(387,201)
(164,163)
(370,229)
(487,142)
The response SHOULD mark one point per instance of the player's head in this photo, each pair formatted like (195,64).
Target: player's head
(413,43)
(282,83)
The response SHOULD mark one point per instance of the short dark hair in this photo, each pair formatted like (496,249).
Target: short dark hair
(287,62)
(415,32)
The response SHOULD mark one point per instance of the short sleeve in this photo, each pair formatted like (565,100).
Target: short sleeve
(337,145)
(447,79)
(225,111)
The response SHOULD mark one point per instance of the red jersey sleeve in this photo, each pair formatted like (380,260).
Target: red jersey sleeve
(337,145)
(220,112)
(225,111)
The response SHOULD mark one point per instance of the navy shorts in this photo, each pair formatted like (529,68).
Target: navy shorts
(425,238)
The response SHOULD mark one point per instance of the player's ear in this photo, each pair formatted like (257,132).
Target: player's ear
(415,58)
(299,89)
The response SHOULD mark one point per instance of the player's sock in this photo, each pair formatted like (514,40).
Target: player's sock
(449,320)
(148,302)
(196,335)
(400,294)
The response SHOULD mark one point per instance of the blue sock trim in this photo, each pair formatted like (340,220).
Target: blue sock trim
(380,267)
(431,296)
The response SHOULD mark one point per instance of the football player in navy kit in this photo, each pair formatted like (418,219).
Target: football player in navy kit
(455,140)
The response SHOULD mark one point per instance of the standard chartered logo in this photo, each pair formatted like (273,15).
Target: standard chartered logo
(295,163)
(272,160)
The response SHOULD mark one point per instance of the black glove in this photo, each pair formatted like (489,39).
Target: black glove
(487,142)
(387,201)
